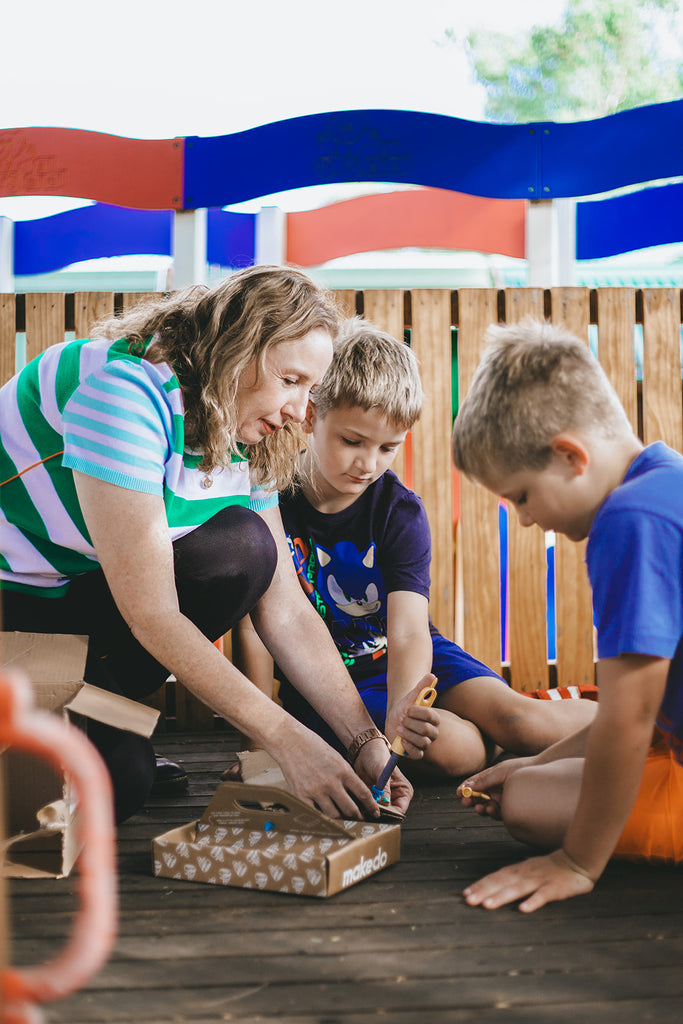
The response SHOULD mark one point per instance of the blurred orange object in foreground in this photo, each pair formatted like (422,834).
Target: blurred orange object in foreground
(48,737)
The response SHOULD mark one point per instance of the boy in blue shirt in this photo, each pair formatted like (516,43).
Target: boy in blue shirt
(361,546)
(542,427)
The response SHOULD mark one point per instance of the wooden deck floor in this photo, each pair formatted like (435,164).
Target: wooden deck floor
(399,947)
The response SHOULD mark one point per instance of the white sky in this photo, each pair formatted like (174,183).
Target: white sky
(165,68)
(161,68)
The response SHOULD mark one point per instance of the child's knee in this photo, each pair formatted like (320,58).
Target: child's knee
(515,805)
(459,749)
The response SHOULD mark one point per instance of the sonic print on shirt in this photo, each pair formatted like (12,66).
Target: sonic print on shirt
(347,589)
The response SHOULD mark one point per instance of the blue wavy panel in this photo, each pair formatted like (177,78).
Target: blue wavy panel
(230,238)
(589,157)
(50,243)
(528,161)
(362,145)
(653,216)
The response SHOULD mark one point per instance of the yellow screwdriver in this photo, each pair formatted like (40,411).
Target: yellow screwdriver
(424,699)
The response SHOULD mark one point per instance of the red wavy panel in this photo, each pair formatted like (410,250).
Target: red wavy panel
(428,218)
(139,173)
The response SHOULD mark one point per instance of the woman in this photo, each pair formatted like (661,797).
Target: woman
(138,506)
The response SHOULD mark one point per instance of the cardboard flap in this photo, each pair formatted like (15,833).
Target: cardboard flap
(260,769)
(46,658)
(113,709)
(244,805)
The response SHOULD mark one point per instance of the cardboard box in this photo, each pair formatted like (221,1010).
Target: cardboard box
(41,818)
(263,837)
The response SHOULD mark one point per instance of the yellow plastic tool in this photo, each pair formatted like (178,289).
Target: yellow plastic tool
(467,791)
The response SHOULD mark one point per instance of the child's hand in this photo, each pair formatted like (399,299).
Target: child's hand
(417,726)
(491,781)
(541,879)
(400,791)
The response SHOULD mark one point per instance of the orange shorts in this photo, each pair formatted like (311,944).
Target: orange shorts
(654,831)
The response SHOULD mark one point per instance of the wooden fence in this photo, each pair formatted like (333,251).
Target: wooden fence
(445,327)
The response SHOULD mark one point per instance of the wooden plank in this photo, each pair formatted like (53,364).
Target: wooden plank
(431,343)
(478,549)
(662,411)
(573,600)
(190,712)
(301,961)
(89,307)
(385,310)
(346,301)
(616,352)
(527,644)
(8,337)
(129,300)
(44,322)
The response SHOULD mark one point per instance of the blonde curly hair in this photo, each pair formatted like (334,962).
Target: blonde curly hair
(210,336)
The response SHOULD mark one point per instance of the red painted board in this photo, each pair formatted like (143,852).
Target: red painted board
(428,218)
(138,173)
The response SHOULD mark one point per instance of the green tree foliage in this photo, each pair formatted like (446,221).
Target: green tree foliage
(605,56)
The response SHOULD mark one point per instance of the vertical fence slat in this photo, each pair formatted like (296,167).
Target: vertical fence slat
(8,337)
(573,602)
(616,319)
(662,413)
(478,548)
(131,299)
(431,342)
(346,301)
(528,649)
(191,714)
(385,310)
(89,307)
(44,322)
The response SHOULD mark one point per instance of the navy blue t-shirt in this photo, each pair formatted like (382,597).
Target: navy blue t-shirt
(386,547)
(635,564)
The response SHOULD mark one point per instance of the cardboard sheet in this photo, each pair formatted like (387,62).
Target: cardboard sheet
(41,820)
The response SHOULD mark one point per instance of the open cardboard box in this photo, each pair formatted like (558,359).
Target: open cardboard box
(260,836)
(41,819)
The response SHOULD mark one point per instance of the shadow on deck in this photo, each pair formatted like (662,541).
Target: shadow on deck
(399,947)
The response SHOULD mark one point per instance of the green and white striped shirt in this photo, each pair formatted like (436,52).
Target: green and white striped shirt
(91,406)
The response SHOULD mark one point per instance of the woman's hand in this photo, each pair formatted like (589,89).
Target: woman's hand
(371,762)
(316,773)
(417,726)
(491,781)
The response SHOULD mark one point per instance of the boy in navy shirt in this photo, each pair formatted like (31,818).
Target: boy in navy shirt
(361,545)
(542,427)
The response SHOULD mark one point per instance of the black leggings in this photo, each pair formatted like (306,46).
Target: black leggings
(222,569)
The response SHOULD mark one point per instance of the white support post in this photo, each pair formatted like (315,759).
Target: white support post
(189,247)
(566,241)
(6,254)
(271,236)
(551,242)
(541,243)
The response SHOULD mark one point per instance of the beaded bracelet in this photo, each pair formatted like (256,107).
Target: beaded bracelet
(360,740)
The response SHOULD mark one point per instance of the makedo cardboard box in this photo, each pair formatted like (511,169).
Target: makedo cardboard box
(41,815)
(256,835)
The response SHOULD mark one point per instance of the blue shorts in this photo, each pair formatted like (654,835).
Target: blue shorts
(450,664)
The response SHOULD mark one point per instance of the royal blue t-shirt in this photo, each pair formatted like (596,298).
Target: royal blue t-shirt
(635,564)
(386,547)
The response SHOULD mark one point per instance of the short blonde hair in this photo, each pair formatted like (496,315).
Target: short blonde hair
(371,370)
(534,381)
(210,336)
